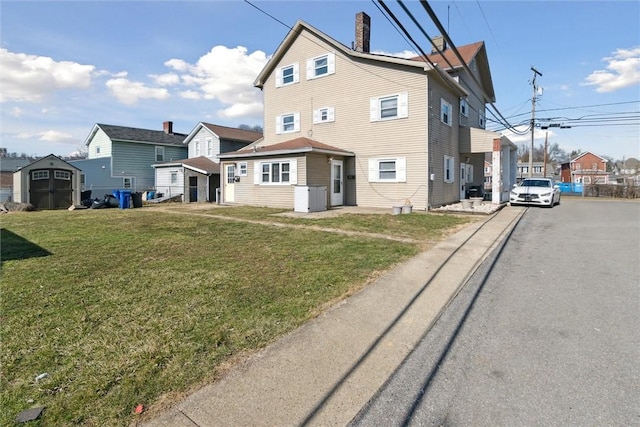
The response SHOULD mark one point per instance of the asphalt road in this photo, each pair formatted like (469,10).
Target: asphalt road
(547,332)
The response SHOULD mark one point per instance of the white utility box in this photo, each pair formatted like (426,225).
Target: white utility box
(310,198)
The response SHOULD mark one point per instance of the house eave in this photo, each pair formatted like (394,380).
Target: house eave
(263,153)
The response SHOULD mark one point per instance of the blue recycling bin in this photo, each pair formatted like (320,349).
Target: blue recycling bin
(124,198)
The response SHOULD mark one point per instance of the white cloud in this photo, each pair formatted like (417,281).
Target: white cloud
(48,136)
(129,92)
(16,112)
(239,110)
(30,78)
(169,79)
(226,75)
(623,70)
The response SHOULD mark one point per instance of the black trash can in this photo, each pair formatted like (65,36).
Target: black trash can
(136,200)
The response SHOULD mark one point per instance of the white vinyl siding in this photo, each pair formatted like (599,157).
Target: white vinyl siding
(448,169)
(321,66)
(393,169)
(287,75)
(389,107)
(323,115)
(276,172)
(287,123)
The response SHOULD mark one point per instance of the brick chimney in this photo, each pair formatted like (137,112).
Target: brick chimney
(440,43)
(363,32)
(167,127)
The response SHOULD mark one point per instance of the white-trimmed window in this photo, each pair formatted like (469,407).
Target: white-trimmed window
(469,173)
(209,147)
(448,169)
(445,112)
(389,169)
(481,120)
(287,123)
(324,115)
(38,175)
(288,75)
(64,175)
(127,183)
(98,149)
(320,66)
(464,108)
(174,177)
(242,169)
(389,107)
(159,154)
(276,172)
(197,147)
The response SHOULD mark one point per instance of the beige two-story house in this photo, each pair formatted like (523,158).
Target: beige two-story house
(373,130)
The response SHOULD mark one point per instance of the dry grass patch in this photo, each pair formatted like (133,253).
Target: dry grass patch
(125,307)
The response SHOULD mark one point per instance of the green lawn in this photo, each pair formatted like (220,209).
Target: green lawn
(138,306)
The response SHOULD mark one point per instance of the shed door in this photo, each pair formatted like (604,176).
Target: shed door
(50,188)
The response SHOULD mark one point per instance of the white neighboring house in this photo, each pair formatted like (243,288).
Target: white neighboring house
(198,177)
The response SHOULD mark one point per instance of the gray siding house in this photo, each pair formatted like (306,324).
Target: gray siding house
(121,157)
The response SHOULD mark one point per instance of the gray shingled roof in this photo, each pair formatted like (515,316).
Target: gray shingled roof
(123,133)
(235,134)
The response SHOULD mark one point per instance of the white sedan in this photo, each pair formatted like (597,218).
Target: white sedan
(535,191)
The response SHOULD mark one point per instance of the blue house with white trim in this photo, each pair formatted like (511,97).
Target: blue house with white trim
(120,157)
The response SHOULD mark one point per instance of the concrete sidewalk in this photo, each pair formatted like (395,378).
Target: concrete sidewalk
(325,372)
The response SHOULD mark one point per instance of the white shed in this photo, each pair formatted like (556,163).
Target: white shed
(48,183)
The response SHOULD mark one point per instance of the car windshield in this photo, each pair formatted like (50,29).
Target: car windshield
(535,183)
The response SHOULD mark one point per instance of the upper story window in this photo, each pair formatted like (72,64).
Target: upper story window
(98,149)
(389,107)
(481,119)
(594,166)
(286,123)
(321,66)
(197,147)
(209,147)
(287,75)
(445,112)
(159,154)
(323,115)
(464,108)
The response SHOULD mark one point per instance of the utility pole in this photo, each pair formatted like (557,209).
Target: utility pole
(544,164)
(533,117)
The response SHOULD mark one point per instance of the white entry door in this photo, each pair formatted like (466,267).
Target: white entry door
(229,181)
(463,180)
(337,183)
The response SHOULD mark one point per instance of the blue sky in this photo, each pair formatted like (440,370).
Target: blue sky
(66,65)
